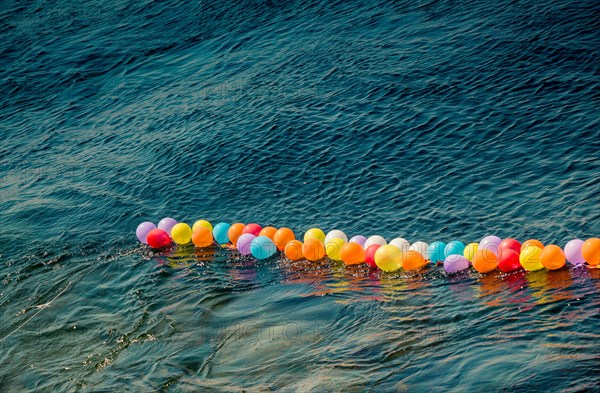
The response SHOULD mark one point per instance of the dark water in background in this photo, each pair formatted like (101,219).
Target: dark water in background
(430,120)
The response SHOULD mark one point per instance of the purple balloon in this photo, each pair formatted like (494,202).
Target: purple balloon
(166,224)
(455,263)
(244,242)
(491,243)
(142,231)
(573,252)
(358,239)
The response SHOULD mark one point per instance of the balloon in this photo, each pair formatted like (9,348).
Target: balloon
(510,244)
(485,261)
(352,254)
(455,263)
(282,237)
(509,260)
(532,242)
(413,260)
(181,233)
(370,255)
(202,223)
(591,251)
(268,232)
(158,238)
(244,242)
(262,247)
(454,247)
(166,224)
(573,252)
(293,250)
(333,248)
(470,251)
(234,232)
(421,247)
(335,234)
(530,258)
(313,249)
(490,243)
(358,239)
(552,257)
(388,258)
(202,237)
(435,252)
(221,232)
(252,228)
(142,231)
(376,239)
(314,233)
(401,244)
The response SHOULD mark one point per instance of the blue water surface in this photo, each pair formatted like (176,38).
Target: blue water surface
(428,120)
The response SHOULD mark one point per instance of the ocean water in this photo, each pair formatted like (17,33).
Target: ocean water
(429,120)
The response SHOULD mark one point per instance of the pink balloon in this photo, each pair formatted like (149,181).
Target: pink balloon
(166,224)
(244,242)
(573,252)
(142,231)
(358,239)
(455,263)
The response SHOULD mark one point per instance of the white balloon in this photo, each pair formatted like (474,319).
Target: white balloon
(375,240)
(335,234)
(421,247)
(401,244)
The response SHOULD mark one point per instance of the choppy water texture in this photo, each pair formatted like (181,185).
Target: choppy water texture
(430,120)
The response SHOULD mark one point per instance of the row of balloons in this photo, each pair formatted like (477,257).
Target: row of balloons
(489,254)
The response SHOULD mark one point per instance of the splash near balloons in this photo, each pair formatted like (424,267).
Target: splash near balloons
(490,254)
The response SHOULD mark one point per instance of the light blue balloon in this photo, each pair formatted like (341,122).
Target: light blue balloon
(435,252)
(455,247)
(262,247)
(220,232)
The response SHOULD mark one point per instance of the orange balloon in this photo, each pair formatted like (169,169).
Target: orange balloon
(352,254)
(552,257)
(485,261)
(532,242)
(202,237)
(413,260)
(591,251)
(268,232)
(313,249)
(234,232)
(282,237)
(293,250)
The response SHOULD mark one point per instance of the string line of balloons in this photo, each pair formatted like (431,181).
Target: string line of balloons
(491,253)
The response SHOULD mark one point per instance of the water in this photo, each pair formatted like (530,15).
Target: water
(430,120)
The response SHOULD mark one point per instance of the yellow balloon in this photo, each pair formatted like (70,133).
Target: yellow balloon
(181,233)
(333,248)
(388,258)
(470,251)
(314,233)
(202,223)
(530,258)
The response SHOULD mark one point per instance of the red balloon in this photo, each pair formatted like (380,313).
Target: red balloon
(253,229)
(510,244)
(157,238)
(370,255)
(509,260)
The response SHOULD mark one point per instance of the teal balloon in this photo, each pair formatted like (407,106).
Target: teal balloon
(220,232)
(262,247)
(435,252)
(455,247)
